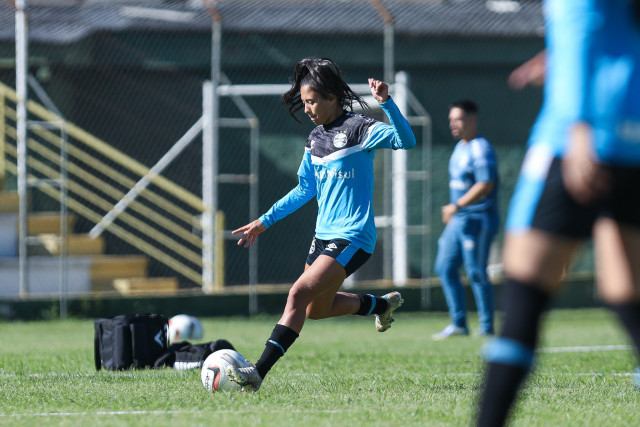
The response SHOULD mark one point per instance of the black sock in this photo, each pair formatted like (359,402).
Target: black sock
(370,304)
(500,387)
(510,356)
(277,345)
(629,315)
(523,306)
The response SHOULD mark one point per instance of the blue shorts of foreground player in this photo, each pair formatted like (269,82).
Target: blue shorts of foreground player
(348,255)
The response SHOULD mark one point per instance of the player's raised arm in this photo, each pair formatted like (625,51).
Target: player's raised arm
(397,135)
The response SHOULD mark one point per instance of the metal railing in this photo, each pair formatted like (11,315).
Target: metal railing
(161,220)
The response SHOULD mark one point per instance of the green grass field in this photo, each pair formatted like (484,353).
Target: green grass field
(340,372)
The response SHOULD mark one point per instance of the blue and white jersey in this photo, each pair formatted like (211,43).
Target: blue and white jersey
(337,167)
(593,75)
(472,162)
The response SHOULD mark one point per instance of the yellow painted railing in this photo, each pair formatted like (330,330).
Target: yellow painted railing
(162,222)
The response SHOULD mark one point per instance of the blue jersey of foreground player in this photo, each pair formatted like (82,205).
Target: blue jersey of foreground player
(337,167)
(593,55)
(472,162)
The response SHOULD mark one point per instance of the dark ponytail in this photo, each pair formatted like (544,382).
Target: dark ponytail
(322,76)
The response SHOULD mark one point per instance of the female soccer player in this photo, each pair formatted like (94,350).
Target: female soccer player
(337,168)
(579,179)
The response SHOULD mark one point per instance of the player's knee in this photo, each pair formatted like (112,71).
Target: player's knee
(477,276)
(314,313)
(445,269)
(299,295)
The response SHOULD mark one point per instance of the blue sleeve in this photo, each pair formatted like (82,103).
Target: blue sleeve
(296,198)
(572,26)
(397,135)
(483,162)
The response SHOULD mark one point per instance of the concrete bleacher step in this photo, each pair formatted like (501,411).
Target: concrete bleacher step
(47,223)
(105,269)
(146,285)
(9,202)
(77,244)
(91,270)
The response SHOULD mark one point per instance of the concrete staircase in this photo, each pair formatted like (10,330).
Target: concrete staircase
(90,270)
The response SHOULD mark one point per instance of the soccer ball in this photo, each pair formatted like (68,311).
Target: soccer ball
(214,370)
(184,327)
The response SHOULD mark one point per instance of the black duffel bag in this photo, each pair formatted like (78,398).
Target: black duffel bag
(130,340)
(183,355)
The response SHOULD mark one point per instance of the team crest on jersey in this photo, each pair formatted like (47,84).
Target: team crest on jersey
(340,139)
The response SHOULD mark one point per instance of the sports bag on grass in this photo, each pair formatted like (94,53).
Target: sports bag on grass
(130,340)
(183,355)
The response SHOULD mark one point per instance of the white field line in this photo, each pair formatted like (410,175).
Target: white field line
(59,374)
(75,414)
(110,413)
(547,374)
(584,349)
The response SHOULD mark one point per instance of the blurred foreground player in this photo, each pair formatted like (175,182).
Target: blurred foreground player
(579,179)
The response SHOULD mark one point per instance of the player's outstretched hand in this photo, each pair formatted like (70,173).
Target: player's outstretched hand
(531,73)
(249,233)
(379,90)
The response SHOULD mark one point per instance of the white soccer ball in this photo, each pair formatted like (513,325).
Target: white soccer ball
(184,327)
(214,370)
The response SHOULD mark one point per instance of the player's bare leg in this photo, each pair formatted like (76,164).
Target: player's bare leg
(319,283)
(617,255)
(617,250)
(324,277)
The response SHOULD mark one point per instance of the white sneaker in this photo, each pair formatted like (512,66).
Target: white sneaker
(450,331)
(384,320)
(248,377)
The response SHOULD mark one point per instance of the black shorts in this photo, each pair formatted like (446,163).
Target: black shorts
(558,213)
(349,256)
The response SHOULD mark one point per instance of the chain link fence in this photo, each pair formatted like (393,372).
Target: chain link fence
(131,73)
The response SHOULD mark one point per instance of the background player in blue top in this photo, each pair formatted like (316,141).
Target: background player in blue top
(337,169)
(579,179)
(471,220)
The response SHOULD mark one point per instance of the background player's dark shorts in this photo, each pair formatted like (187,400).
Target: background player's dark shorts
(558,213)
(349,256)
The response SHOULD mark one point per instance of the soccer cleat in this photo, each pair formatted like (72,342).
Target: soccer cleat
(384,320)
(247,377)
(450,331)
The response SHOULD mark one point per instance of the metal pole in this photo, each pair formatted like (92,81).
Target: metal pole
(64,232)
(399,184)
(253,213)
(210,157)
(21,111)
(207,222)
(389,77)
(426,217)
(389,69)
(215,126)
